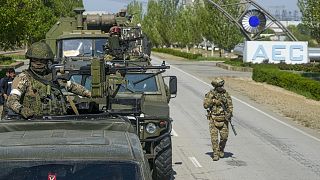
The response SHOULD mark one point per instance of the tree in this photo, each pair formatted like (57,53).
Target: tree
(187,28)
(151,21)
(135,10)
(299,33)
(217,28)
(310,10)
(25,21)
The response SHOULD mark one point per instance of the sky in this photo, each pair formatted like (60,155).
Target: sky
(113,6)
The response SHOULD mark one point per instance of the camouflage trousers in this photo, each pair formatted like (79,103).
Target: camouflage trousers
(216,129)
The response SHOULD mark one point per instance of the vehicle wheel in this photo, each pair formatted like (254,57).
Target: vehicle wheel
(162,167)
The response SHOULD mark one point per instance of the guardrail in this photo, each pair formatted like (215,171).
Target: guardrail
(314,54)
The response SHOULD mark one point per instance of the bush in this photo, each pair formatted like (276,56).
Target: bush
(201,58)
(177,53)
(290,81)
(5,58)
(2,73)
(16,56)
(300,67)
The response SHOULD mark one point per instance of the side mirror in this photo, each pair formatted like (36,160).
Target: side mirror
(173,86)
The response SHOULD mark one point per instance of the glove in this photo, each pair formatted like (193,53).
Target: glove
(26,112)
(88,94)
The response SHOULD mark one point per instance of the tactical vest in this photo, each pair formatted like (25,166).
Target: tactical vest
(217,110)
(43,99)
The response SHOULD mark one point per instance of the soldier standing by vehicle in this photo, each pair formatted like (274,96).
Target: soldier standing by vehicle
(219,107)
(33,92)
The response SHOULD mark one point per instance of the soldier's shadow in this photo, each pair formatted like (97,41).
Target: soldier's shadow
(226,154)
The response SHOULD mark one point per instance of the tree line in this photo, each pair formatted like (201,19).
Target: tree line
(167,23)
(310,10)
(27,21)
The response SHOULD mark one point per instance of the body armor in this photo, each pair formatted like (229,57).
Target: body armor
(43,99)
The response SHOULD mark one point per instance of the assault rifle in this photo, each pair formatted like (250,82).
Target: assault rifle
(229,120)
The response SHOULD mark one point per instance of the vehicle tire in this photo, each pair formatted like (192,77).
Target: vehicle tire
(162,167)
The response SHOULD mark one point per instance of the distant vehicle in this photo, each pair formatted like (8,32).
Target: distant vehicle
(238,49)
(206,45)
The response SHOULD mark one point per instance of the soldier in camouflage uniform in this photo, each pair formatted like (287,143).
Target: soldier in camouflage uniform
(219,107)
(33,92)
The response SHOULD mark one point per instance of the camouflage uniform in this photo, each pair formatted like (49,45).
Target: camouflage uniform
(33,92)
(219,106)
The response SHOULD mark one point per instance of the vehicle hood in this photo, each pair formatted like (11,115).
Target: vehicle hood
(68,144)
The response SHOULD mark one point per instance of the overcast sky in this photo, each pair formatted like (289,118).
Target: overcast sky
(116,5)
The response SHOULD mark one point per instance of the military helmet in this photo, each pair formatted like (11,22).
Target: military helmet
(39,50)
(115,30)
(217,82)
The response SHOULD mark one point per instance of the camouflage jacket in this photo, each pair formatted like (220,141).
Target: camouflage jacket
(218,103)
(43,99)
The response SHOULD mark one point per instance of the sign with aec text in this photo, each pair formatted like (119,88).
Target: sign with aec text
(289,52)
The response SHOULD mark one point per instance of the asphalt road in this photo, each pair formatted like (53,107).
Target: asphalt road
(267,146)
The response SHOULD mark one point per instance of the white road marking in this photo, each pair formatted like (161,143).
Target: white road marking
(174,133)
(268,115)
(195,162)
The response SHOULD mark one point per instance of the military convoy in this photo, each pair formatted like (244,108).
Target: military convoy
(118,71)
(125,127)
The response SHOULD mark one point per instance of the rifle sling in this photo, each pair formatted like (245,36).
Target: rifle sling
(36,77)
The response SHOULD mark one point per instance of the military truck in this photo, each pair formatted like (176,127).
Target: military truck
(83,36)
(71,147)
(139,93)
(90,26)
(68,39)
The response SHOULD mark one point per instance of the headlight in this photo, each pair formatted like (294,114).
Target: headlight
(151,128)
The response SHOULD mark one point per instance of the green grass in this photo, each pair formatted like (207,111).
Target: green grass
(177,53)
(16,56)
(237,63)
(6,62)
(201,58)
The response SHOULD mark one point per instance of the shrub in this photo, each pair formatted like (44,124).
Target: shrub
(300,67)
(5,58)
(177,53)
(290,81)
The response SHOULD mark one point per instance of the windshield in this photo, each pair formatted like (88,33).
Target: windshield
(69,170)
(83,47)
(138,82)
(134,83)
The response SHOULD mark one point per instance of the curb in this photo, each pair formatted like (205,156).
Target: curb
(234,68)
(14,65)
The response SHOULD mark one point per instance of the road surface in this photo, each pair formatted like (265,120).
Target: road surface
(267,146)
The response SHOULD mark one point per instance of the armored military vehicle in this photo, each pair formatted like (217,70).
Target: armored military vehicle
(139,93)
(77,40)
(83,36)
(90,26)
(71,147)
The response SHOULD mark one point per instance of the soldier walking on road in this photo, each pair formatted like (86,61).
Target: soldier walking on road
(33,92)
(218,104)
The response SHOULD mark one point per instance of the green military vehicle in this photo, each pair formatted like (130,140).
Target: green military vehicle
(90,27)
(152,122)
(71,147)
(139,93)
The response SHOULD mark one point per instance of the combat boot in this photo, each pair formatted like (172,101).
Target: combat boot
(221,154)
(215,158)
